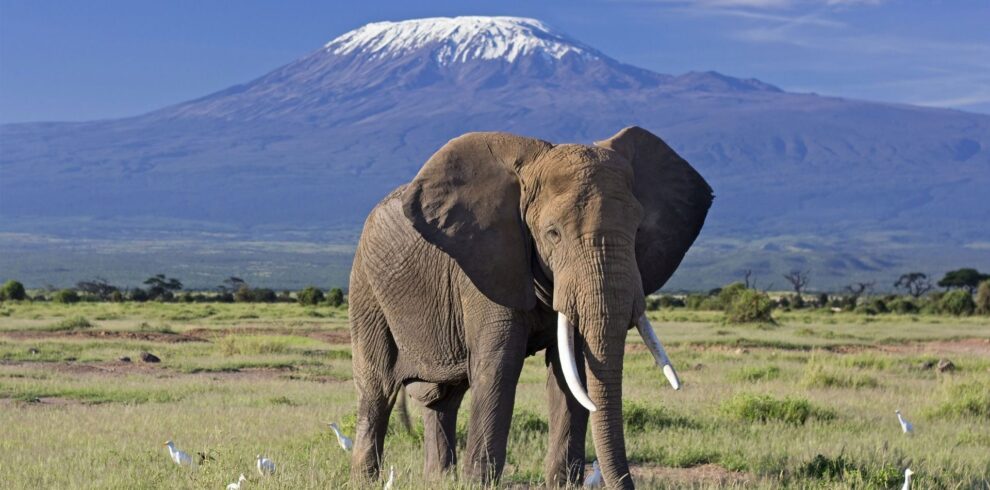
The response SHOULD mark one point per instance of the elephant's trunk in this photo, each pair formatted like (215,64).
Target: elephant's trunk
(608,299)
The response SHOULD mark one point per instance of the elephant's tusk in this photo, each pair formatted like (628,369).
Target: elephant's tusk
(656,348)
(565,346)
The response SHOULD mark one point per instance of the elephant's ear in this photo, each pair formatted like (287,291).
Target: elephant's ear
(675,199)
(466,201)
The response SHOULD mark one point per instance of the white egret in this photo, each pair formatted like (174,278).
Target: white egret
(181,458)
(905,425)
(265,466)
(391,478)
(239,485)
(907,479)
(595,479)
(345,442)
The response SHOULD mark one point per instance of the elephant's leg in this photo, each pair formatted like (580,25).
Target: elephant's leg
(494,373)
(564,463)
(374,355)
(440,431)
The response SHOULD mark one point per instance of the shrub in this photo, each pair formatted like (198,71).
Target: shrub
(765,408)
(727,295)
(957,302)
(750,306)
(695,301)
(139,295)
(65,296)
(264,295)
(244,294)
(71,323)
(966,400)
(983,299)
(819,377)
(671,302)
(12,291)
(902,305)
(756,373)
(335,297)
(310,296)
(525,421)
(639,417)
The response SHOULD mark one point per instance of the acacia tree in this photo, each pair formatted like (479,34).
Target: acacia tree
(98,287)
(798,279)
(160,286)
(966,278)
(858,289)
(914,283)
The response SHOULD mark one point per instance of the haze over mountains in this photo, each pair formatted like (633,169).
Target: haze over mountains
(849,189)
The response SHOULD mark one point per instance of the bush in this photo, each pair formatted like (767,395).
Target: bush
(728,294)
(957,302)
(335,297)
(765,408)
(750,306)
(872,306)
(637,417)
(820,377)
(264,295)
(902,305)
(310,296)
(695,301)
(12,291)
(71,323)
(139,295)
(66,296)
(966,400)
(983,299)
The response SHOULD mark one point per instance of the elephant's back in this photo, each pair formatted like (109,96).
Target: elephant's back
(417,288)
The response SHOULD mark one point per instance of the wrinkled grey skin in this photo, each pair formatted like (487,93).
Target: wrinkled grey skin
(459,274)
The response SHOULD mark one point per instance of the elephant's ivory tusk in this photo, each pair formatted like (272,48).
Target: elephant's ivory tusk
(565,346)
(660,355)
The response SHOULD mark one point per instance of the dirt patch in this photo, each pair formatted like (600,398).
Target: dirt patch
(105,334)
(328,336)
(974,347)
(703,475)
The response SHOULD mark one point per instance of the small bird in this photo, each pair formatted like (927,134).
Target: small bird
(345,442)
(265,466)
(391,478)
(181,458)
(907,479)
(239,485)
(905,425)
(595,479)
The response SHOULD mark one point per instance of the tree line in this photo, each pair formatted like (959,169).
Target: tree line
(166,289)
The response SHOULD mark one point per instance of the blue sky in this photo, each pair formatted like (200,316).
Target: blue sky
(62,60)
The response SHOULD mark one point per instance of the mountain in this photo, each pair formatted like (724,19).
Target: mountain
(848,189)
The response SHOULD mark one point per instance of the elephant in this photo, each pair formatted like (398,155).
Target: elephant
(500,247)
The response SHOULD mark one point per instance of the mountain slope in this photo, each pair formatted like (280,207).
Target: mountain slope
(318,141)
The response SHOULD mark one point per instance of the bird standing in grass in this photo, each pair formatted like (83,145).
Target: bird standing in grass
(907,479)
(905,425)
(181,458)
(391,478)
(595,479)
(344,441)
(239,485)
(265,466)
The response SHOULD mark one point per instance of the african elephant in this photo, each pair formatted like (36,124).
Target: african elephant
(503,246)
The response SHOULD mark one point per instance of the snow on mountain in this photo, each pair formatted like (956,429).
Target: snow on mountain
(459,39)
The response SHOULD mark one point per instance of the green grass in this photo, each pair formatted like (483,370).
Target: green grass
(806,404)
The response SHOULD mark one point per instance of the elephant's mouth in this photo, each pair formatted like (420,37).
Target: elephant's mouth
(565,347)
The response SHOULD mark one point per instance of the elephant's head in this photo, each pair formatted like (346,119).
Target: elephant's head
(605,223)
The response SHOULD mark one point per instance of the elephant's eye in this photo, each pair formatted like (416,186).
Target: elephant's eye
(553,235)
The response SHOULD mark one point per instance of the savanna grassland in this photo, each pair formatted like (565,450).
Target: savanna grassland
(806,403)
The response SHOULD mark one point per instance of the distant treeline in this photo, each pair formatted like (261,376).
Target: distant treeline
(964,292)
(169,290)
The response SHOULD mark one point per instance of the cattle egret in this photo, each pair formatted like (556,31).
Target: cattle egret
(345,442)
(239,485)
(181,458)
(907,479)
(265,466)
(595,479)
(391,478)
(905,425)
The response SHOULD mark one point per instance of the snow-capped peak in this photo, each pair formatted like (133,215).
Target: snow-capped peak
(459,39)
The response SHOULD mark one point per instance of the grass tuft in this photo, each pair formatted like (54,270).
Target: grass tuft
(765,408)
(817,376)
(72,323)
